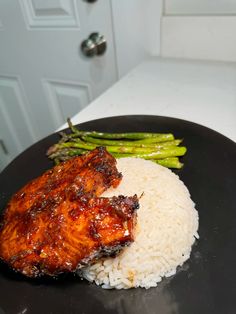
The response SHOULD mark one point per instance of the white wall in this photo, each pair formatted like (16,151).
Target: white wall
(199,29)
(137,31)
(190,29)
(200,7)
(201,37)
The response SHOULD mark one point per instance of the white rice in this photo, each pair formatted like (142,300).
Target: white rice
(166,228)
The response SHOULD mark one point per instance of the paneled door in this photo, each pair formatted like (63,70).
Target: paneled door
(44,76)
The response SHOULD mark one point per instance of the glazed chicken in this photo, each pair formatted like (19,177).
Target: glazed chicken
(59,223)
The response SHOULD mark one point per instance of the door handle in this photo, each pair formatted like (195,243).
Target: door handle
(94,45)
(4,148)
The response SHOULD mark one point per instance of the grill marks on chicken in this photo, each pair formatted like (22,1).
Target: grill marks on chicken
(58,223)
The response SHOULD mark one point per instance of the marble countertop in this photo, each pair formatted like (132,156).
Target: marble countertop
(197,91)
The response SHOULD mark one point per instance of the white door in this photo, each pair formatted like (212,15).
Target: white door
(44,77)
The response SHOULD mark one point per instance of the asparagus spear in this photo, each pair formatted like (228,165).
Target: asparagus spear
(162,137)
(167,152)
(65,154)
(154,140)
(158,154)
(135,143)
(170,162)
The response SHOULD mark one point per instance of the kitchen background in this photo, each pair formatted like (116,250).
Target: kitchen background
(45,77)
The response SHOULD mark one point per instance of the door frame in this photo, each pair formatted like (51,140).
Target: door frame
(137,41)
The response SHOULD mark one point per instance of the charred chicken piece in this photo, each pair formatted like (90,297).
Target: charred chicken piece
(58,223)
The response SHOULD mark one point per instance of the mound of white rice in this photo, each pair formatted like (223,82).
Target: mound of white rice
(166,228)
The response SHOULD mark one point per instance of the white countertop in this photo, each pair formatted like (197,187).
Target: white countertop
(197,91)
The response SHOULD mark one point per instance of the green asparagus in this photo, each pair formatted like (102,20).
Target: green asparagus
(161,148)
(128,135)
(139,143)
(170,162)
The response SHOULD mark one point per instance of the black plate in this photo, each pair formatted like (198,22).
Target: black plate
(205,284)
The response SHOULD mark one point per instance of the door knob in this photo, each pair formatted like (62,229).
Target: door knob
(94,45)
